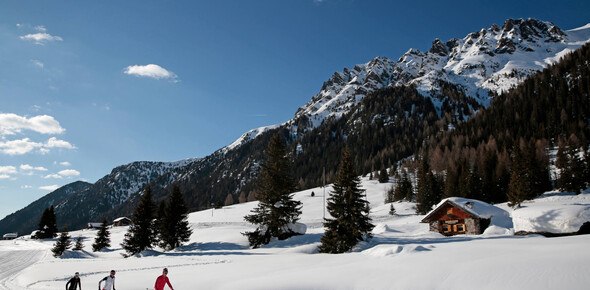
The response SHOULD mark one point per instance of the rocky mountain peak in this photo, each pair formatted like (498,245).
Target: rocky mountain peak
(438,48)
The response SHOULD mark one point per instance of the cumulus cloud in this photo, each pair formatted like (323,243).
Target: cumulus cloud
(63,173)
(4,176)
(11,124)
(40,28)
(150,71)
(19,147)
(56,176)
(49,187)
(26,187)
(28,167)
(57,143)
(7,170)
(65,163)
(24,146)
(69,172)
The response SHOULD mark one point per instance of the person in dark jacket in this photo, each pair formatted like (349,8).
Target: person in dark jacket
(74,282)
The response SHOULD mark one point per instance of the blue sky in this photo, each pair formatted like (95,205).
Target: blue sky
(77,96)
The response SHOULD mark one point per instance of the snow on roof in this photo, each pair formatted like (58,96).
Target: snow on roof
(478,208)
(120,219)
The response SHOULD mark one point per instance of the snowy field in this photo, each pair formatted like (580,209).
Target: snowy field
(402,255)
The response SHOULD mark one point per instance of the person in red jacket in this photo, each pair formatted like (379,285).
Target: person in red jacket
(163,280)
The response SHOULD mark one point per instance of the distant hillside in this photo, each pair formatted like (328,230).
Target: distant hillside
(26,220)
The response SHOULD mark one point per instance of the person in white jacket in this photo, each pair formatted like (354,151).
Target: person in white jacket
(109,283)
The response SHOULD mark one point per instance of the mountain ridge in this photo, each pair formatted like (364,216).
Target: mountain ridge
(476,66)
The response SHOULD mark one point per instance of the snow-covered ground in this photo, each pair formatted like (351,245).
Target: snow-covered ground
(402,255)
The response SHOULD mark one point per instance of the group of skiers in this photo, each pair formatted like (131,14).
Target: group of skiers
(109,282)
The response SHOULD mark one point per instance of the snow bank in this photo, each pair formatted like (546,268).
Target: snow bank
(554,212)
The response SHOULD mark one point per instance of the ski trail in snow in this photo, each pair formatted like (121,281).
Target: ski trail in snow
(13,262)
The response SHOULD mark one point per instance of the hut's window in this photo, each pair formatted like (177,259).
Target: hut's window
(446,228)
(450,210)
(460,228)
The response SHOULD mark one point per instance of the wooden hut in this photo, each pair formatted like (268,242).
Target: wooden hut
(454,216)
(122,221)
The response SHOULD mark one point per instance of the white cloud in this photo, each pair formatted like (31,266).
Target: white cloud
(150,71)
(69,172)
(40,28)
(41,38)
(56,176)
(11,124)
(49,187)
(24,146)
(28,167)
(7,170)
(19,147)
(65,163)
(26,187)
(56,143)
(4,176)
(19,25)
(37,63)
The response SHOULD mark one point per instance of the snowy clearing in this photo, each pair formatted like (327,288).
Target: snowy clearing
(402,255)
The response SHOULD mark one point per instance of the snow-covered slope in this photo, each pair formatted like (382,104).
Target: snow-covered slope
(398,257)
(489,60)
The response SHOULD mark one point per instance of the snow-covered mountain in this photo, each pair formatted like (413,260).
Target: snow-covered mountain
(489,60)
(92,202)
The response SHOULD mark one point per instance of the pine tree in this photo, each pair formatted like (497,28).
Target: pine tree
(79,246)
(102,239)
(383,176)
(175,229)
(349,209)
(403,189)
(276,209)
(428,193)
(520,185)
(391,210)
(571,166)
(62,244)
(47,224)
(141,235)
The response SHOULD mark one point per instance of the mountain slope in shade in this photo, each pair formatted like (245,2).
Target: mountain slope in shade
(26,220)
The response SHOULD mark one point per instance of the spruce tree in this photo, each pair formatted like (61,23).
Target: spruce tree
(276,209)
(429,192)
(79,246)
(47,224)
(350,222)
(141,235)
(403,189)
(102,239)
(571,166)
(383,176)
(391,209)
(62,244)
(520,185)
(175,229)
